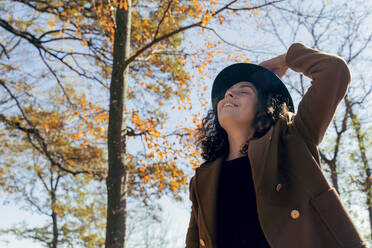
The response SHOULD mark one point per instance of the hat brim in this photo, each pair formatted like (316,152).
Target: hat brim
(262,78)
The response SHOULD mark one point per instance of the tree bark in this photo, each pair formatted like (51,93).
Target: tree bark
(362,148)
(117,172)
(54,217)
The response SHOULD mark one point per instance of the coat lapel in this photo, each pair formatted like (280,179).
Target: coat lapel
(257,154)
(206,192)
(207,181)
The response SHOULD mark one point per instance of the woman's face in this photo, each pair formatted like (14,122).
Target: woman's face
(244,98)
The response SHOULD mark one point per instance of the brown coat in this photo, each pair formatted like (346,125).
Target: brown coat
(297,207)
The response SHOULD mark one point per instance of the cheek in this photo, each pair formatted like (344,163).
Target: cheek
(251,103)
(218,108)
(253,108)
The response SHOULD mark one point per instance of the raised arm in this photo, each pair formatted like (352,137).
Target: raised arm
(330,79)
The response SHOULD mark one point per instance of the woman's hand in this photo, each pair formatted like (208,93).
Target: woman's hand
(277,65)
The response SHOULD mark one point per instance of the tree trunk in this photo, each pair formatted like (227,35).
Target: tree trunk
(117,172)
(54,217)
(369,200)
(334,176)
(367,184)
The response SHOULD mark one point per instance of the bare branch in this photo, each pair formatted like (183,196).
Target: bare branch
(4,51)
(182,29)
(231,44)
(162,19)
(254,7)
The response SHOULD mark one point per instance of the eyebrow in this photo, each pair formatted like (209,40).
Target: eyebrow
(247,85)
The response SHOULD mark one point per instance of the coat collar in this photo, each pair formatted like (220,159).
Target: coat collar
(207,177)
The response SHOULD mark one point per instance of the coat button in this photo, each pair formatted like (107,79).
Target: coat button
(202,242)
(278,187)
(295,214)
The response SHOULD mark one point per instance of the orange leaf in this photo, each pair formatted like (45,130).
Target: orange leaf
(125,5)
(51,24)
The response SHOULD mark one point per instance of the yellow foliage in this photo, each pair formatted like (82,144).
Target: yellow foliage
(51,24)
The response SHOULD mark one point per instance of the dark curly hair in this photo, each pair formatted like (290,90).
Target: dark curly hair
(213,140)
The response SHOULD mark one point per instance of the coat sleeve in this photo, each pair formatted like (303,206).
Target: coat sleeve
(330,79)
(192,236)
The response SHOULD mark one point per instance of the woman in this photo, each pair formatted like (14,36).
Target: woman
(261,184)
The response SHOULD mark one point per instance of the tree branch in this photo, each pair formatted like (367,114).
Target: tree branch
(34,131)
(182,29)
(162,19)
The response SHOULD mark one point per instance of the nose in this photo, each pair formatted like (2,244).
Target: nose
(228,93)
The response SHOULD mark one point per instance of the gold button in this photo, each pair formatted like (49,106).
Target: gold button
(295,214)
(202,242)
(278,187)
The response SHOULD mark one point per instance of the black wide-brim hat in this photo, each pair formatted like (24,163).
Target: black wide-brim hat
(263,79)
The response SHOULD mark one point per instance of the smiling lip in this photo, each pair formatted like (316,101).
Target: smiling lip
(234,105)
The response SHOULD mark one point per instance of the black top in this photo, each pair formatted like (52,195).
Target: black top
(237,220)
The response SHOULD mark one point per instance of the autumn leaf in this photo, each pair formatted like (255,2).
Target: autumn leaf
(51,24)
